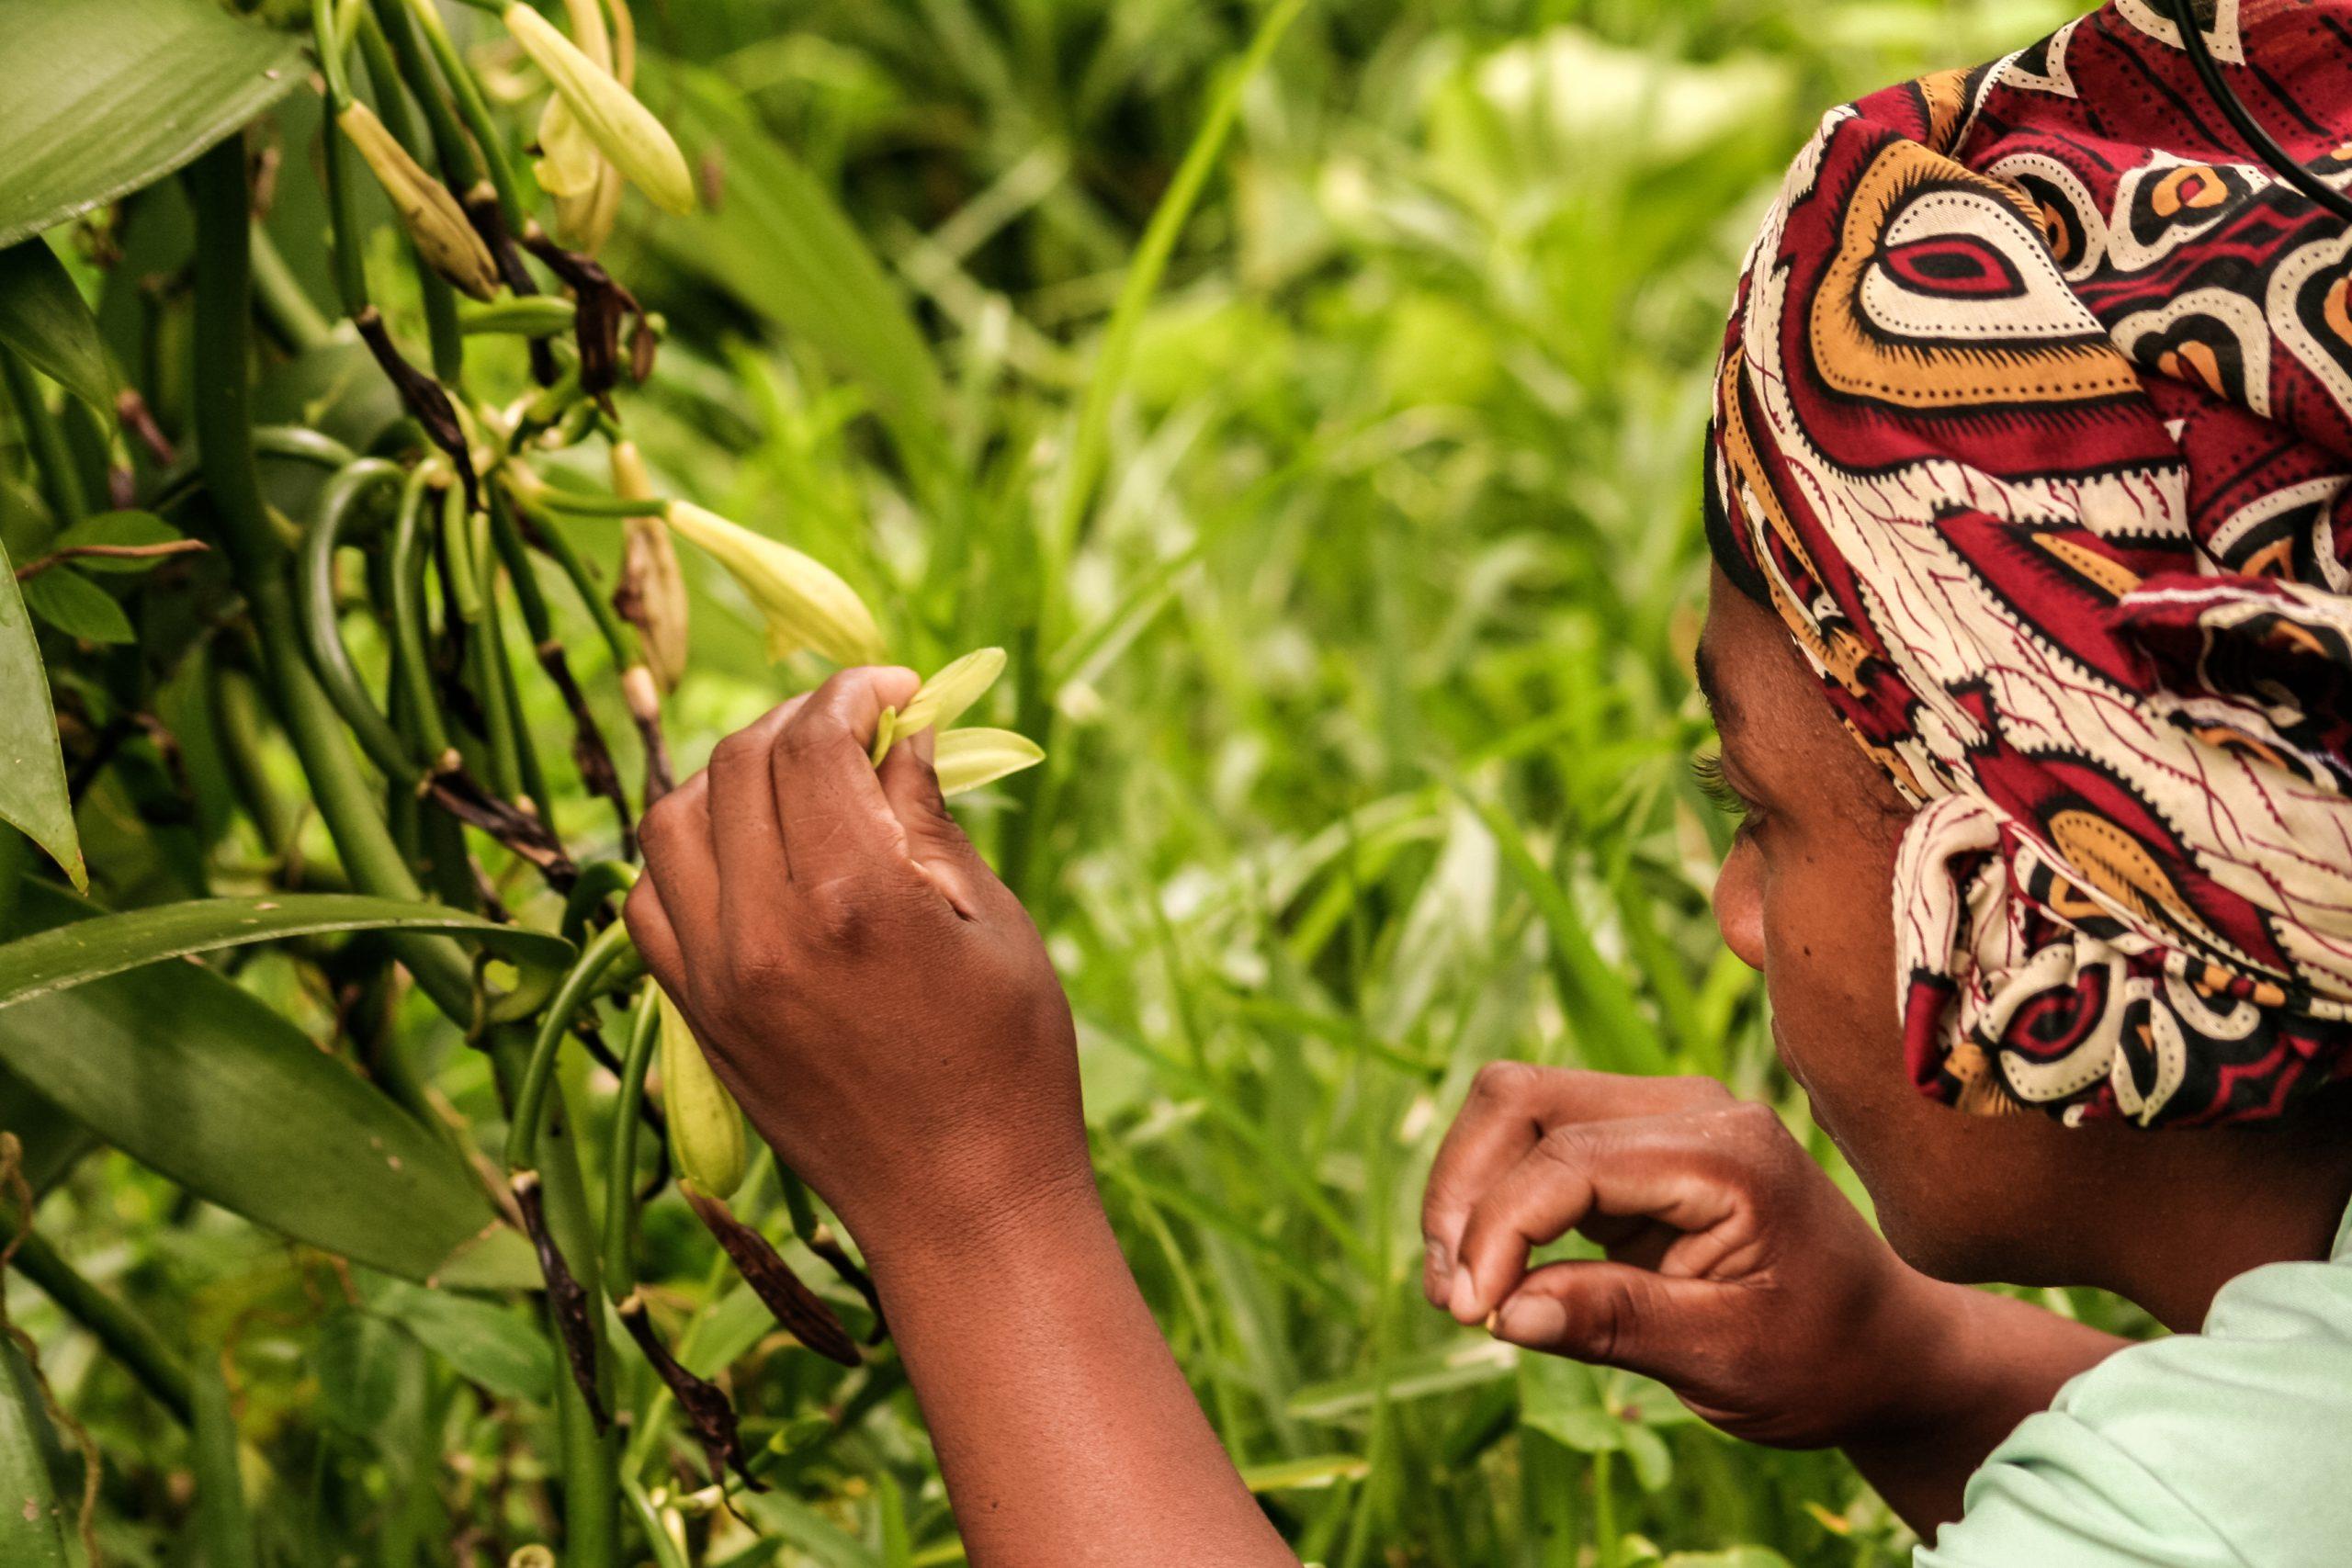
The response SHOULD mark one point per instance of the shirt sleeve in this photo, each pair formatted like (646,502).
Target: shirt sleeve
(2057,1494)
(2226,1448)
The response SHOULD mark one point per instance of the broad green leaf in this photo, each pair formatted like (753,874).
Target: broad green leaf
(32,1521)
(117,528)
(777,241)
(32,768)
(71,954)
(107,96)
(45,320)
(502,1349)
(61,597)
(194,1076)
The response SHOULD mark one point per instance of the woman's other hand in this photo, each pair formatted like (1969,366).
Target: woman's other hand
(1736,1272)
(877,1000)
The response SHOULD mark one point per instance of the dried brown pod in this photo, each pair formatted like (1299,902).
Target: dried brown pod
(798,1308)
(705,1405)
(565,1295)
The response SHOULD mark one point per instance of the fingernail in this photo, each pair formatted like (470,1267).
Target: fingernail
(1437,1273)
(1463,1302)
(1535,1321)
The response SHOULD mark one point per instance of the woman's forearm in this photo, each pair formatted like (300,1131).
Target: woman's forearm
(1066,1432)
(1973,1365)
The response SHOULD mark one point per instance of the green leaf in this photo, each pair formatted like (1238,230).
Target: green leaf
(1465,1363)
(1309,1474)
(192,1076)
(72,955)
(45,320)
(32,1522)
(504,1350)
(224,1523)
(117,528)
(73,604)
(777,241)
(108,95)
(32,768)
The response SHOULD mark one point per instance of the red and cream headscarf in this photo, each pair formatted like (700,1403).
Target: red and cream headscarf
(2034,425)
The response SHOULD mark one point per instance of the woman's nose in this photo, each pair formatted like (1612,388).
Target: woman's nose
(1739,903)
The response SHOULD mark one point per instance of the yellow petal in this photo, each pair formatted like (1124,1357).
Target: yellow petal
(585,223)
(803,602)
(967,758)
(706,1124)
(445,237)
(943,699)
(625,130)
(569,164)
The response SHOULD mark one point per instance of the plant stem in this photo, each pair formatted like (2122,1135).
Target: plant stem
(285,303)
(461,167)
(127,1337)
(60,478)
(472,110)
(604,950)
(620,1166)
(439,299)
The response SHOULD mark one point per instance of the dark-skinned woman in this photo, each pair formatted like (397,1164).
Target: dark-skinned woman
(2031,650)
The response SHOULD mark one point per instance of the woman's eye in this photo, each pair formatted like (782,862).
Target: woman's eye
(1707,769)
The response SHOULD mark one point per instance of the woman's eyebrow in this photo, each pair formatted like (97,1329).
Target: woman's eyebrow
(1719,703)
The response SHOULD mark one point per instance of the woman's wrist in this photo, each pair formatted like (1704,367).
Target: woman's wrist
(973,1212)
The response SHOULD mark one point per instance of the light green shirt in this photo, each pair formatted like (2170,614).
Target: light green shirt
(2229,1448)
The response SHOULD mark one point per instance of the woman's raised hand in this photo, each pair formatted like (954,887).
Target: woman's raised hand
(875,999)
(1736,1272)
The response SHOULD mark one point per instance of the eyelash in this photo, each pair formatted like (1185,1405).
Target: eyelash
(1707,771)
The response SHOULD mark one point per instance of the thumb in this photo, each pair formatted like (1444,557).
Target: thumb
(1609,1313)
(935,840)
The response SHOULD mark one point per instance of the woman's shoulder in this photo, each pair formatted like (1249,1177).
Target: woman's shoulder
(2231,1445)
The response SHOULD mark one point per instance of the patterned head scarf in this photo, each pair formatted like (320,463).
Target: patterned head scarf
(2034,425)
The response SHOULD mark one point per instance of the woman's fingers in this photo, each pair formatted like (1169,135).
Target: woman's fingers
(1670,1170)
(828,799)
(657,940)
(1513,1105)
(681,862)
(746,831)
(1611,1314)
(934,839)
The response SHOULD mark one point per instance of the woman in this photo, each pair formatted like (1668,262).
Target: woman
(2030,646)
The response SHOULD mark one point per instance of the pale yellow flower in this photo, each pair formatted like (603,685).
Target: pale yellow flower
(942,699)
(803,602)
(622,128)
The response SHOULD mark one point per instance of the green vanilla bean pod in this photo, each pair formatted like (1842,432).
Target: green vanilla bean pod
(448,254)
(351,486)
(706,1124)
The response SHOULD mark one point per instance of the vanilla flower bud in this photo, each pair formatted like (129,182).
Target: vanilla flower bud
(803,602)
(622,128)
(652,595)
(444,236)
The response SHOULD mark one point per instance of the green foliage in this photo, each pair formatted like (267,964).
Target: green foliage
(1332,486)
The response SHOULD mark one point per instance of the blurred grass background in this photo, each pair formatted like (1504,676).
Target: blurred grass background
(1365,674)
